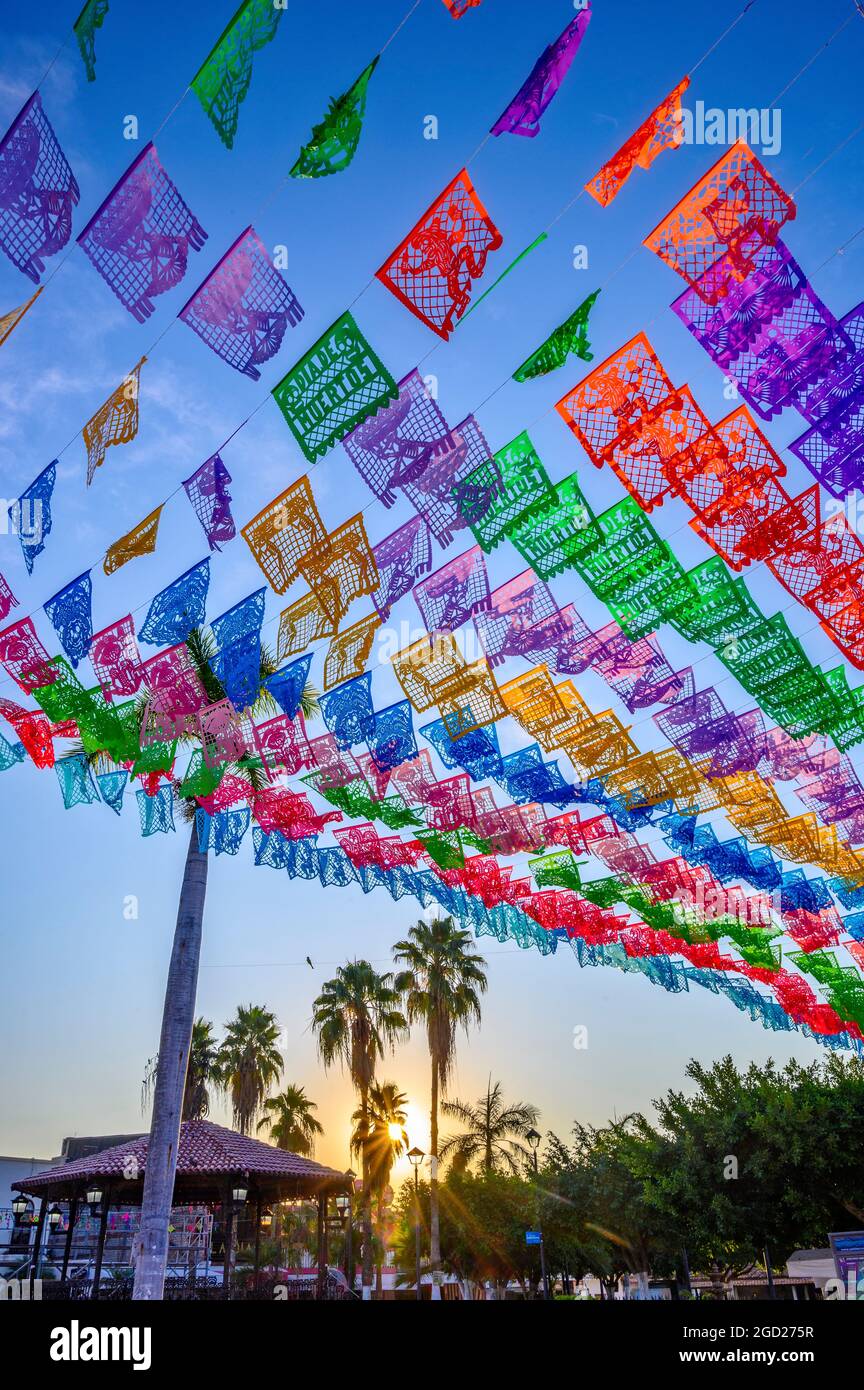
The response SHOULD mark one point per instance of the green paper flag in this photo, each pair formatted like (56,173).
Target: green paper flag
(571,337)
(222,81)
(334,387)
(334,140)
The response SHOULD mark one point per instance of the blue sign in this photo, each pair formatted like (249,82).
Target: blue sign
(533,1237)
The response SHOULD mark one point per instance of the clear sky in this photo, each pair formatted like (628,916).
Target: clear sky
(83,986)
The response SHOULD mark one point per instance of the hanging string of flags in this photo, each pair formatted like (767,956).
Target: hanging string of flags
(751,307)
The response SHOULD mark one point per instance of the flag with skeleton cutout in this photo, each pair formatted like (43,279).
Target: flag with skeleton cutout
(140,238)
(433,270)
(243,308)
(37,191)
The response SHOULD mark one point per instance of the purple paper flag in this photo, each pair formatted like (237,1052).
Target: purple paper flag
(139,240)
(395,446)
(522,116)
(453,594)
(37,191)
(207,490)
(401,558)
(243,307)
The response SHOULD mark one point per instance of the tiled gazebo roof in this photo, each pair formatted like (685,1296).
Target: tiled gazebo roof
(208,1156)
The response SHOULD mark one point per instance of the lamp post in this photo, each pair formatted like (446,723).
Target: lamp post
(415,1158)
(534,1140)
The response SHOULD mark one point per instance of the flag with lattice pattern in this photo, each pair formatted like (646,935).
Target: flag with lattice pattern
(8,601)
(244,306)
(522,617)
(172,681)
(432,271)
(454,593)
(115,658)
(569,339)
(342,569)
(662,130)
(38,194)
(349,651)
(11,320)
(156,812)
(282,744)
(522,115)
(141,540)
(76,780)
(178,608)
(732,211)
(336,385)
(140,238)
(502,491)
(333,143)
(395,446)
(402,557)
(300,624)
(222,81)
(115,422)
(288,684)
(70,612)
(30,514)
(613,397)
(284,533)
(207,490)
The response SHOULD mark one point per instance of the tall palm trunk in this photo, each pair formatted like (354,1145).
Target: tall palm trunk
(367,1197)
(178,1016)
(434,1223)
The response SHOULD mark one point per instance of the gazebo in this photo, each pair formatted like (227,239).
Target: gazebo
(216,1167)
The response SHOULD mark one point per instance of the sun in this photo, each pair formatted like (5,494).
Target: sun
(395,1132)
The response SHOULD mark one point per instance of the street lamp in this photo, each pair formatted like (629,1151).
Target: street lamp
(55,1216)
(350,1178)
(415,1158)
(534,1140)
(94,1196)
(239,1192)
(22,1209)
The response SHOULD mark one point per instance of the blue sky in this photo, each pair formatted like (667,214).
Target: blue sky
(84,985)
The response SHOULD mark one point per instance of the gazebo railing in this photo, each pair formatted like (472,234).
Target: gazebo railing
(268,1289)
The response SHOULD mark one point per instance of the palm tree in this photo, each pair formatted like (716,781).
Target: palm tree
(249,1062)
(385,1141)
(441,985)
(201,1073)
(292,1125)
(492,1131)
(355,1017)
(151,1249)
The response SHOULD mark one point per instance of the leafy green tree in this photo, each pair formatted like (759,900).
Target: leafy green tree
(355,1018)
(492,1131)
(385,1141)
(289,1118)
(441,982)
(249,1062)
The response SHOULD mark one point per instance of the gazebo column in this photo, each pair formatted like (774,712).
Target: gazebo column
(322,1243)
(100,1243)
(228,1223)
(33,1267)
(67,1248)
(257,1239)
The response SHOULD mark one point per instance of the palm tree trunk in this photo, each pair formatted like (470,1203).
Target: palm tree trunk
(178,1016)
(434,1223)
(367,1198)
